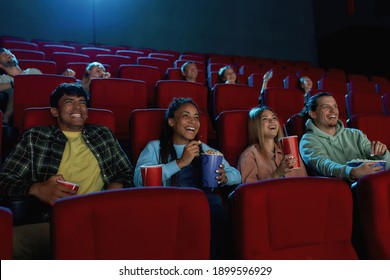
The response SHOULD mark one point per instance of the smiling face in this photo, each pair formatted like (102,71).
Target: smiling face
(185,123)
(269,124)
(326,114)
(72,113)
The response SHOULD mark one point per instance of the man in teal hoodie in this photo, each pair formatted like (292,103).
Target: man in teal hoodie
(327,145)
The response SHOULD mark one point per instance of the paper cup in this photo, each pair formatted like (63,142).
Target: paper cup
(70,185)
(210,164)
(290,147)
(151,175)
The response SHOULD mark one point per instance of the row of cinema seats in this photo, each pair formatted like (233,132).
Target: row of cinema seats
(232,130)
(282,78)
(222,97)
(123,96)
(144,124)
(250,70)
(289,218)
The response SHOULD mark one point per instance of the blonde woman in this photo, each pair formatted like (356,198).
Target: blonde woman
(264,159)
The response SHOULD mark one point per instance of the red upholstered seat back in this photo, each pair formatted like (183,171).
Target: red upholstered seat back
(162,63)
(374,126)
(285,102)
(167,90)
(133,224)
(364,103)
(229,97)
(34,91)
(295,125)
(63,58)
(28,54)
(45,66)
(149,74)
(121,96)
(41,116)
(114,61)
(6,233)
(145,125)
(293,218)
(232,131)
(374,205)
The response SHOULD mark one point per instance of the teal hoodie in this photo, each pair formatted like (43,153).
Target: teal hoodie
(327,155)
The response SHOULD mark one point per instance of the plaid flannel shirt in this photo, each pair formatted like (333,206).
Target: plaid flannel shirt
(38,155)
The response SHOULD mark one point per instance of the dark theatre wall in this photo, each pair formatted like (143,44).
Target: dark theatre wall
(279,29)
(354,38)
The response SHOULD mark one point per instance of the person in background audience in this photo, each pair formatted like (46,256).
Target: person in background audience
(264,159)
(94,70)
(178,151)
(327,146)
(267,76)
(9,68)
(227,75)
(189,71)
(304,84)
(86,154)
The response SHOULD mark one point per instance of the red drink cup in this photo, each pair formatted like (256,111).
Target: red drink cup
(290,148)
(151,175)
(70,185)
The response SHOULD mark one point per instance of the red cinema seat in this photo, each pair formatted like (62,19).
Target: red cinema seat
(121,96)
(133,55)
(161,63)
(20,45)
(374,205)
(6,233)
(145,125)
(49,49)
(92,52)
(373,125)
(63,58)
(285,102)
(133,224)
(193,57)
(28,54)
(171,57)
(34,91)
(363,103)
(361,85)
(298,218)
(167,90)
(295,125)
(149,74)
(386,103)
(37,116)
(332,84)
(227,97)
(232,134)
(314,73)
(114,61)
(45,66)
